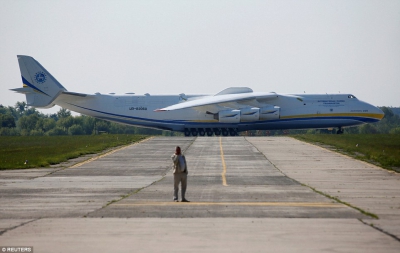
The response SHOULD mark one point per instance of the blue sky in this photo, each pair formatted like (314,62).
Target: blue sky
(203,47)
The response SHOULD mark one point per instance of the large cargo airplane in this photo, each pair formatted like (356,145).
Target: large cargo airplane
(228,112)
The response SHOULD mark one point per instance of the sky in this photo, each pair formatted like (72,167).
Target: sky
(203,47)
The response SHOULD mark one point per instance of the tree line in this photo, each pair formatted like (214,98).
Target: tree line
(23,120)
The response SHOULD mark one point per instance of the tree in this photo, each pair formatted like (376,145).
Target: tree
(63,113)
(103,126)
(48,124)
(88,124)
(21,106)
(75,130)
(7,120)
(30,111)
(368,129)
(57,131)
(28,122)
(65,122)
(45,124)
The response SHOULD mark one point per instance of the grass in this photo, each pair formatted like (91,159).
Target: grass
(380,149)
(42,151)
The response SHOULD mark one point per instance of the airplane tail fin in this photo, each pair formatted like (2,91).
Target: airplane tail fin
(39,86)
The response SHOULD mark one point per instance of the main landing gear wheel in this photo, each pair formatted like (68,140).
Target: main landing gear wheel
(224,132)
(209,132)
(187,132)
(202,132)
(194,132)
(340,130)
(217,132)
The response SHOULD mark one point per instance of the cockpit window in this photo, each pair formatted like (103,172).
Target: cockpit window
(351,96)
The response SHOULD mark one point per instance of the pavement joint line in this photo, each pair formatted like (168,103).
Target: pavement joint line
(288,204)
(372,215)
(380,230)
(223,174)
(17,226)
(108,153)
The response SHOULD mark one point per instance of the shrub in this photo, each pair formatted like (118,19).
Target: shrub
(75,130)
(56,131)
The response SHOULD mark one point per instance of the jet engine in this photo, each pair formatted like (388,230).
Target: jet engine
(229,116)
(269,112)
(250,114)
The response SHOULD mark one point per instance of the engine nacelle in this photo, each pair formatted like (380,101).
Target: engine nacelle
(250,114)
(269,112)
(229,116)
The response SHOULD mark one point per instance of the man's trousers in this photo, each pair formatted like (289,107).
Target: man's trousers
(180,178)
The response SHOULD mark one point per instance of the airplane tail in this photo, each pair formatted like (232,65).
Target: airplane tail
(39,86)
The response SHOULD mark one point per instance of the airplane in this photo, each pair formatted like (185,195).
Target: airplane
(226,113)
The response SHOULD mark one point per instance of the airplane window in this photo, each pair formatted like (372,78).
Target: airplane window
(351,96)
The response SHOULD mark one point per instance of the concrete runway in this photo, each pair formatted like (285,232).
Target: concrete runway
(257,194)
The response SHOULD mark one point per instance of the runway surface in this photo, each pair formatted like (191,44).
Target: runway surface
(247,194)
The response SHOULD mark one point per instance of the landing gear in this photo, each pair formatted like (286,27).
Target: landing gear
(210,131)
(194,131)
(187,132)
(202,132)
(340,130)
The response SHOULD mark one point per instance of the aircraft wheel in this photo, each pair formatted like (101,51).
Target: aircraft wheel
(194,132)
(217,132)
(339,131)
(224,132)
(201,132)
(232,133)
(209,133)
(187,132)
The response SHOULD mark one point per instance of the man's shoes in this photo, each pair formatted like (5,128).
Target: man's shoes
(175,200)
(185,200)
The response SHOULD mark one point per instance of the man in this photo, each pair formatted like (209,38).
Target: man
(180,173)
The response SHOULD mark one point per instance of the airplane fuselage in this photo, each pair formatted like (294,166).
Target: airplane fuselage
(311,111)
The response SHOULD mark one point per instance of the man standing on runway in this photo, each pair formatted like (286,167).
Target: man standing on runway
(180,173)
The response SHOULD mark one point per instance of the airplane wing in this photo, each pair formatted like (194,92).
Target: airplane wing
(214,103)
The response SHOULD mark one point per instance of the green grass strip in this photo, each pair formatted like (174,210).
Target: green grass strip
(43,151)
(380,149)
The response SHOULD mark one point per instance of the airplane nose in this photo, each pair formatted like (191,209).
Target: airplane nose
(379,113)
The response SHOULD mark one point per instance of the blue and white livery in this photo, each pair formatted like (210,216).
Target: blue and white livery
(230,111)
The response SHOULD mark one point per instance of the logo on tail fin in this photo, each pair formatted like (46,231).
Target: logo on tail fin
(40,77)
